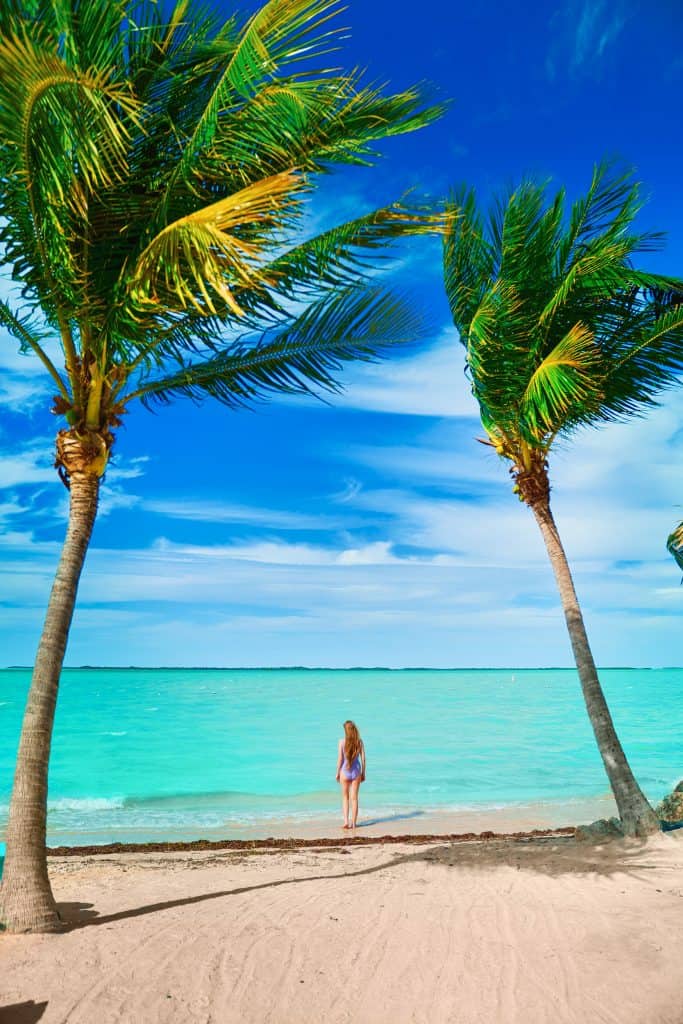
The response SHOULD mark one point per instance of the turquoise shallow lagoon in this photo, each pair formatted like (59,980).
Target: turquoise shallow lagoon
(144,754)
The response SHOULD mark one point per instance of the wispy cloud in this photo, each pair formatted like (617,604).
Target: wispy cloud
(30,463)
(278,552)
(414,551)
(431,382)
(128,470)
(583,31)
(206,603)
(207,511)
(23,394)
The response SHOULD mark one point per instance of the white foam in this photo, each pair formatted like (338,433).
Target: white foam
(88,803)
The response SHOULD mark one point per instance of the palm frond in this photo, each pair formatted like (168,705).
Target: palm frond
(44,102)
(674,545)
(612,200)
(561,328)
(500,372)
(312,122)
(203,252)
(153,212)
(31,336)
(568,379)
(89,35)
(281,31)
(303,357)
(339,256)
(646,358)
(469,265)
(64,133)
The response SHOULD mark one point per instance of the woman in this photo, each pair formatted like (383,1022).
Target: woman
(350,771)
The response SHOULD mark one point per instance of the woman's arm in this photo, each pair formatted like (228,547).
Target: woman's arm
(340,759)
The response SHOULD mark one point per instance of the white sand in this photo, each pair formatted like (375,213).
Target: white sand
(492,932)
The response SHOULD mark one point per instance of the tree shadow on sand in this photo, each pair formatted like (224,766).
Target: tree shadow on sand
(551,857)
(22,1013)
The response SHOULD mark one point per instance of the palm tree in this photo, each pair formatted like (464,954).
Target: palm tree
(153,170)
(561,332)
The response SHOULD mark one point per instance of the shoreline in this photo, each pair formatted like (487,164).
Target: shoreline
(292,843)
(396,823)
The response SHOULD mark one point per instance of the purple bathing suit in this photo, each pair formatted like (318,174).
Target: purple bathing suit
(354,771)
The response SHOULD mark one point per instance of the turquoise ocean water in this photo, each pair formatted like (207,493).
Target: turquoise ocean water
(175,753)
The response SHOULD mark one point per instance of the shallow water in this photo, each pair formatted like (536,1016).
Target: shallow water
(175,753)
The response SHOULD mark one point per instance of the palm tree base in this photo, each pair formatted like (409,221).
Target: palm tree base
(641,824)
(24,910)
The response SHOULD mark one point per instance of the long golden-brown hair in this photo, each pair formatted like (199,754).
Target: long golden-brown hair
(352,742)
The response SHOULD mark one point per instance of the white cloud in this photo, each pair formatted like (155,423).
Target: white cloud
(428,559)
(430,383)
(387,609)
(128,470)
(276,552)
(12,360)
(207,511)
(11,508)
(22,394)
(112,499)
(32,463)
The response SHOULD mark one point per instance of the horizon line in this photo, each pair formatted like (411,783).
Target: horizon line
(348,668)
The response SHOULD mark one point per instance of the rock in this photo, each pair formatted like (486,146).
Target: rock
(671,807)
(601,829)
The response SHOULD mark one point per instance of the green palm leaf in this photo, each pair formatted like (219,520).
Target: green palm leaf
(646,358)
(561,328)
(65,133)
(567,378)
(280,32)
(302,357)
(674,545)
(46,104)
(167,154)
(345,252)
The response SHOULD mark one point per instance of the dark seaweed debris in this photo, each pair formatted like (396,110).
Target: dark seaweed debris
(296,844)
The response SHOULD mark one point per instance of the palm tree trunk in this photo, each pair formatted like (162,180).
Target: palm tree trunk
(637,817)
(26,900)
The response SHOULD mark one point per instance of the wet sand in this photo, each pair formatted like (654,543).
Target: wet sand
(411,821)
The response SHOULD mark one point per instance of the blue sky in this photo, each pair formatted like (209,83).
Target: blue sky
(375,530)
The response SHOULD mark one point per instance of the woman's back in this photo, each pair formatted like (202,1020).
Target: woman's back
(355,758)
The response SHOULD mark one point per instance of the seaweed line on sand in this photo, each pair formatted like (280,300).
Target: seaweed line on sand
(290,844)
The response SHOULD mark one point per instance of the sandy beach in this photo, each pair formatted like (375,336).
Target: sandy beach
(536,930)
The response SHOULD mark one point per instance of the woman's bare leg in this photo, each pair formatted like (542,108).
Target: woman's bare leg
(345,799)
(355,786)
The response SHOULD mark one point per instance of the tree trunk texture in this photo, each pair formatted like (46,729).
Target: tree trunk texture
(637,817)
(26,900)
